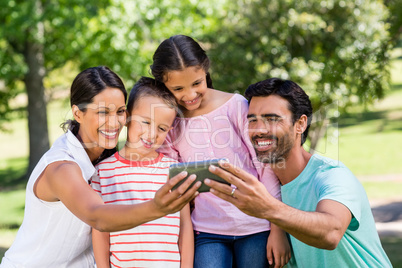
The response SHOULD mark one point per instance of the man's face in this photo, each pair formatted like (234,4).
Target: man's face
(271,130)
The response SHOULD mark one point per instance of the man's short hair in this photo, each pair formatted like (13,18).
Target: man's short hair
(299,101)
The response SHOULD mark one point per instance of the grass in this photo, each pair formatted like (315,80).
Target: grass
(12,204)
(383,190)
(7,237)
(369,142)
(17,144)
(12,172)
(392,246)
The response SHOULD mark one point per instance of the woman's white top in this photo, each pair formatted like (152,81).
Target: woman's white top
(50,235)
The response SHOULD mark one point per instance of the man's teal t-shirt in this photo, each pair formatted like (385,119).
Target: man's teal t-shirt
(324,178)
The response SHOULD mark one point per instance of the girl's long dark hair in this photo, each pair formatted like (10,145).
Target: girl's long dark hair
(175,54)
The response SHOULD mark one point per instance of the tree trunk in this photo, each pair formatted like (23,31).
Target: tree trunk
(37,115)
(318,128)
(315,134)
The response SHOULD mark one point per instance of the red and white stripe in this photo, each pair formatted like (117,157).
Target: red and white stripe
(153,244)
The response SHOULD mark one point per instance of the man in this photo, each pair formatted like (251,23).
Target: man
(324,208)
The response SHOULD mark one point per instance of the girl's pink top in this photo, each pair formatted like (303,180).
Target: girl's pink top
(222,133)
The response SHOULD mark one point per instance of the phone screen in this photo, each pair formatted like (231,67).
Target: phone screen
(200,169)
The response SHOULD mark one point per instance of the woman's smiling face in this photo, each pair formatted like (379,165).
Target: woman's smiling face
(102,120)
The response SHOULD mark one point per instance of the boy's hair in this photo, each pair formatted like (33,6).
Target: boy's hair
(299,101)
(147,86)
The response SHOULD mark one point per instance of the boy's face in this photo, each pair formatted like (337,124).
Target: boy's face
(149,123)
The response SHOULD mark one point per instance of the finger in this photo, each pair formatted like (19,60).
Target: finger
(227,176)
(172,182)
(221,187)
(184,186)
(283,261)
(224,189)
(277,263)
(182,200)
(225,197)
(286,258)
(190,194)
(236,171)
(270,257)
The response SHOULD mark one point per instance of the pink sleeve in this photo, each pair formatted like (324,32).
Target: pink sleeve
(265,173)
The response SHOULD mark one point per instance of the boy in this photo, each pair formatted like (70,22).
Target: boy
(133,175)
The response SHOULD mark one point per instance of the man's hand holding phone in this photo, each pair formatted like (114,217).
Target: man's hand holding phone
(200,169)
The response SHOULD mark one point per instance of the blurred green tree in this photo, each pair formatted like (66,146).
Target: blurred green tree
(39,37)
(130,32)
(36,37)
(395,20)
(336,50)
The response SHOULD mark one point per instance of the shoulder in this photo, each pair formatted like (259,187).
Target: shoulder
(111,160)
(332,177)
(329,167)
(232,101)
(220,98)
(62,168)
(167,160)
(57,174)
(221,94)
(228,97)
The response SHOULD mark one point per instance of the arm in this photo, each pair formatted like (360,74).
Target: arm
(322,228)
(278,247)
(101,246)
(63,181)
(186,238)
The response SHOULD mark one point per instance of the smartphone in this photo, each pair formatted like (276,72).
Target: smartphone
(199,168)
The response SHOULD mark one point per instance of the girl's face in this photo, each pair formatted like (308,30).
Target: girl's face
(102,120)
(188,86)
(150,121)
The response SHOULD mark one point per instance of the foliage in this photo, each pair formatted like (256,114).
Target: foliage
(127,32)
(395,20)
(336,50)
(37,37)
(59,27)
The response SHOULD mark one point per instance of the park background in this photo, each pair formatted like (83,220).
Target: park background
(347,55)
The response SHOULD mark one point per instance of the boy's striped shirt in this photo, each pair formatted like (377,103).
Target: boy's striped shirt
(153,244)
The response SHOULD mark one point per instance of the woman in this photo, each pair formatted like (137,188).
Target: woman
(61,206)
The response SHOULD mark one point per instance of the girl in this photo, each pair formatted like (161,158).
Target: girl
(214,125)
(60,205)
